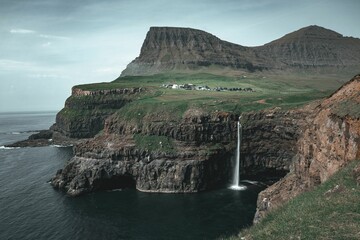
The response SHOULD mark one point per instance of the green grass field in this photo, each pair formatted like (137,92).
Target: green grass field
(317,214)
(269,91)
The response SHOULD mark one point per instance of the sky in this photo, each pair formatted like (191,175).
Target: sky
(48,46)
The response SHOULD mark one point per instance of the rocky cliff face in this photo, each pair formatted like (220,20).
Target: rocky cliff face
(85,111)
(200,157)
(269,141)
(167,49)
(116,159)
(330,139)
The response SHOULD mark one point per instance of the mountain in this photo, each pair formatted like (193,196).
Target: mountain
(314,46)
(167,49)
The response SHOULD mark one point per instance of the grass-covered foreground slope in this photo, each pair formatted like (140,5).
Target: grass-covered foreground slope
(269,91)
(330,211)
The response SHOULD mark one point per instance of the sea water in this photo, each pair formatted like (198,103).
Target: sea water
(31,209)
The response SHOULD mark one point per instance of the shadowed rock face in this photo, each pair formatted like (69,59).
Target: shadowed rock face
(167,49)
(269,140)
(330,139)
(194,165)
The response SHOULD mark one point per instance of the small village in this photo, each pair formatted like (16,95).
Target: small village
(190,86)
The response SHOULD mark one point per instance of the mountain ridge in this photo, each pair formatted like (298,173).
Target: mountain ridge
(168,49)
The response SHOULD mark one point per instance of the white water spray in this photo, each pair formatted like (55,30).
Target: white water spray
(236,179)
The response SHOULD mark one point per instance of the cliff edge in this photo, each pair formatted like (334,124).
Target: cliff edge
(330,139)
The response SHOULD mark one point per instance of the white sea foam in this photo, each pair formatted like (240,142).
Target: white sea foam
(3,147)
(251,182)
(116,190)
(15,133)
(61,146)
(238,187)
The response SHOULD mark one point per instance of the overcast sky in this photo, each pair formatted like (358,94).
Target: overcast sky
(47,46)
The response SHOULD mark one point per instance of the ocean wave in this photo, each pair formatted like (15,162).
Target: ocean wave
(61,146)
(115,190)
(6,148)
(20,132)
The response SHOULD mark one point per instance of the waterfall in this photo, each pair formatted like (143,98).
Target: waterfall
(236,178)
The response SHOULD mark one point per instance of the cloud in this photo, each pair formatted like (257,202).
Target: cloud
(10,64)
(47,44)
(108,70)
(22,31)
(48,76)
(41,35)
(53,37)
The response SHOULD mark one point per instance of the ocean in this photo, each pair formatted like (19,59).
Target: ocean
(31,209)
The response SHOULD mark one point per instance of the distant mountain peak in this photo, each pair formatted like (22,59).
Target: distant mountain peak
(311,32)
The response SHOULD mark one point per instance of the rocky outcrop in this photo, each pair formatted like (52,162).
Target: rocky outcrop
(170,49)
(85,111)
(39,139)
(114,91)
(146,171)
(329,141)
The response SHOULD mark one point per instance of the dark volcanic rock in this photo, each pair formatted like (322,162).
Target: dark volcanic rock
(46,138)
(109,162)
(204,146)
(43,134)
(269,140)
(40,139)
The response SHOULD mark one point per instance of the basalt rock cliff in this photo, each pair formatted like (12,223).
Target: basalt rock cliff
(170,49)
(330,139)
(85,112)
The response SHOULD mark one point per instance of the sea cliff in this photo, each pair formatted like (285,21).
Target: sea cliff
(189,152)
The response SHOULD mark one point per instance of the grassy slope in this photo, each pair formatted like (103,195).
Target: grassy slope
(315,214)
(270,91)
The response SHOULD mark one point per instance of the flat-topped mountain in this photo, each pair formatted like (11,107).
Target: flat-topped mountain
(167,49)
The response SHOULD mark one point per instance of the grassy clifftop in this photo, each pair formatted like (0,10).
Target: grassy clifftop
(330,211)
(270,91)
